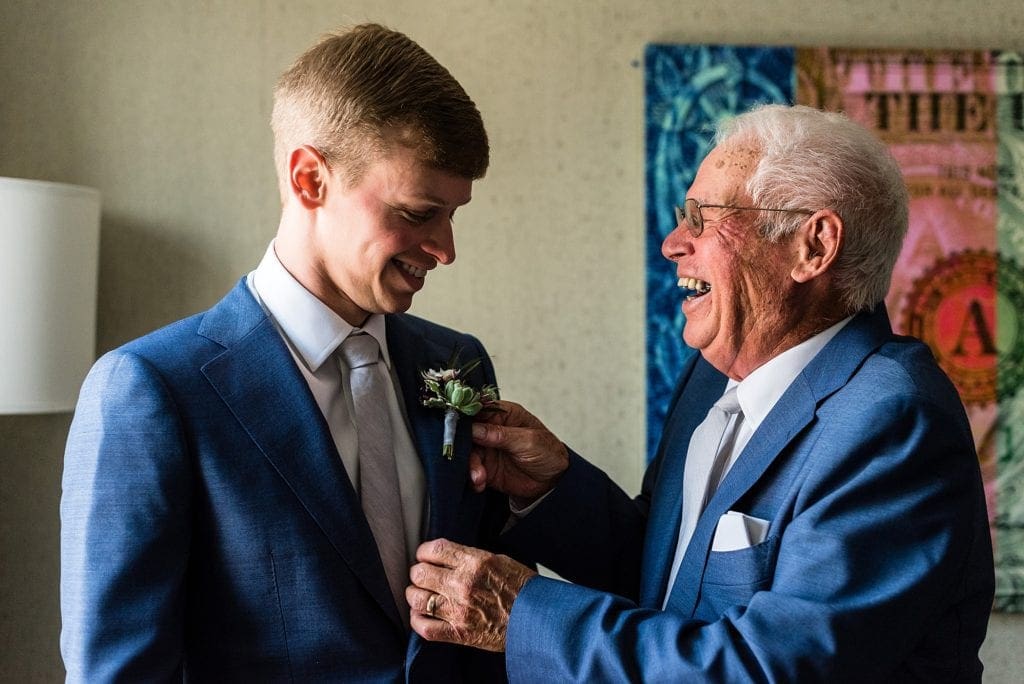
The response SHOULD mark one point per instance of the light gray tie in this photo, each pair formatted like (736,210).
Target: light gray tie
(706,458)
(378,476)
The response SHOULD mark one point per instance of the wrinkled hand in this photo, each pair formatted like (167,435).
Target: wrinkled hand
(474,594)
(515,454)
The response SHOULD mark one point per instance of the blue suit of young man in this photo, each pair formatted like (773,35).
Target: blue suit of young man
(877,564)
(210,531)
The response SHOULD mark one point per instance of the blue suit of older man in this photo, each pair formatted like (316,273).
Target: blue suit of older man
(876,565)
(210,531)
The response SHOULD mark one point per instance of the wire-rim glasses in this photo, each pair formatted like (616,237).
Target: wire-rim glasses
(690,215)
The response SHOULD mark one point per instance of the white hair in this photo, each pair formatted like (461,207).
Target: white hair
(814,160)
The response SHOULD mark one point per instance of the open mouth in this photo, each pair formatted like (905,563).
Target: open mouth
(414,271)
(693,288)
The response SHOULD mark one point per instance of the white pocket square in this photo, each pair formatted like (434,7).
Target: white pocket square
(737,531)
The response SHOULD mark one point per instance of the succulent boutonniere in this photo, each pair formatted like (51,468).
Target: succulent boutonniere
(445,389)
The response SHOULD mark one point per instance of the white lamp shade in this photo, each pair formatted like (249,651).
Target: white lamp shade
(49,257)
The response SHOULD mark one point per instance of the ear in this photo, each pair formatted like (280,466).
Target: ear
(818,243)
(307,176)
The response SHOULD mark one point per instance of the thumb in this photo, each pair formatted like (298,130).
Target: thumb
(477,471)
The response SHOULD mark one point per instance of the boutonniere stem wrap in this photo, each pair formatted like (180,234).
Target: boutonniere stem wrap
(445,389)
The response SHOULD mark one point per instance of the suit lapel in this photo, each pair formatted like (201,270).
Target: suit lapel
(256,376)
(663,522)
(412,352)
(824,375)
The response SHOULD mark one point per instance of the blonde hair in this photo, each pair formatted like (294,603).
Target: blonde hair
(358,92)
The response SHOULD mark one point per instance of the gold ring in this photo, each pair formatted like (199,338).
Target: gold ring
(432,605)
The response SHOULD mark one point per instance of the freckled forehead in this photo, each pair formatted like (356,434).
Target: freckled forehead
(737,159)
(725,171)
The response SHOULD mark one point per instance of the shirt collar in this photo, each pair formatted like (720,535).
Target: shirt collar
(310,326)
(761,390)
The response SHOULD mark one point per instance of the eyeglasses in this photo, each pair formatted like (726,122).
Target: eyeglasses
(689,214)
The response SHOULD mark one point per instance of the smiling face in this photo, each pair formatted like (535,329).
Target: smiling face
(367,247)
(745,305)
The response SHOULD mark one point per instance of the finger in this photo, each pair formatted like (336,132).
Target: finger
(432,629)
(515,440)
(484,434)
(430,578)
(510,414)
(502,413)
(441,552)
(419,601)
(477,471)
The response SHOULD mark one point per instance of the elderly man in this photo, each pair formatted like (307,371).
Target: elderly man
(815,511)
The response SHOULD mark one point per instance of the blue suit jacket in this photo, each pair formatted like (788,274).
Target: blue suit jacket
(209,529)
(877,565)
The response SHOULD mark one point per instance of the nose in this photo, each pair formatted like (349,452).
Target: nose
(677,244)
(440,243)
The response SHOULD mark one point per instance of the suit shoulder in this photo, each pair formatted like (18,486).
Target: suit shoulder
(176,350)
(170,340)
(194,338)
(905,364)
(900,376)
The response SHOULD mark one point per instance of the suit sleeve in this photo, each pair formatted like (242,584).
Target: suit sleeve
(125,511)
(885,516)
(587,530)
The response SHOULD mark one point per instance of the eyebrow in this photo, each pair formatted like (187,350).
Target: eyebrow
(435,200)
(730,199)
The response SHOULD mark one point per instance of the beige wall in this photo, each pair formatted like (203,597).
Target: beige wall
(163,106)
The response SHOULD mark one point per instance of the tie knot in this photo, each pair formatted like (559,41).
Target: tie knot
(360,350)
(729,402)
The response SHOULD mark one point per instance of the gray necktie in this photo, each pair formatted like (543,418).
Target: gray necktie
(378,476)
(705,460)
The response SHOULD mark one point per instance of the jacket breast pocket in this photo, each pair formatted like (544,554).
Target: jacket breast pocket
(731,578)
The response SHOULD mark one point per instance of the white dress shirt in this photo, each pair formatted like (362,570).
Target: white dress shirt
(757,394)
(313,332)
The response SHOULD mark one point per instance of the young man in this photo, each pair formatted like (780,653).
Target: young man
(235,506)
